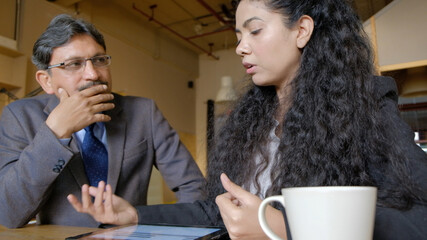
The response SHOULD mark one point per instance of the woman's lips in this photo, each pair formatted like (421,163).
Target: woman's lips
(250,69)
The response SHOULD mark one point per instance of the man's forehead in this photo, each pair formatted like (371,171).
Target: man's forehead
(79,46)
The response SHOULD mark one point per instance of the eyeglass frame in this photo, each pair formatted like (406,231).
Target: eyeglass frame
(62,64)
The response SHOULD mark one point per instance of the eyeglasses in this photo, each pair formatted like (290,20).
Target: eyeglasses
(77,64)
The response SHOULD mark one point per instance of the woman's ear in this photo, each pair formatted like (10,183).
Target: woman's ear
(305,29)
(45,81)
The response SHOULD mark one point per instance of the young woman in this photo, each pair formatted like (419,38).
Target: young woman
(314,116)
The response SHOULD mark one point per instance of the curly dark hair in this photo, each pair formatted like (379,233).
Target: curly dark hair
(331,134)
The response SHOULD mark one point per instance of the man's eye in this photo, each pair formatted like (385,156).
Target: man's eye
(99,60)
(74,64)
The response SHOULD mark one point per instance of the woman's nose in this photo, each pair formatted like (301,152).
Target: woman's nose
(242,48)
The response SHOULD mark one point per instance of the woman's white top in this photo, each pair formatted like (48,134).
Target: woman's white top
(264,178)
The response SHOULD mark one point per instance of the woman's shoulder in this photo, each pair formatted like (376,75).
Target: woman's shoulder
(385,87)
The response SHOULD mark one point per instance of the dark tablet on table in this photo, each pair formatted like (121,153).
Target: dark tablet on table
(145,231)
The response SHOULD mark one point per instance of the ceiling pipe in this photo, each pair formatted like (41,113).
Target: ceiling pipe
(213,12)
(207,34)
(151,18)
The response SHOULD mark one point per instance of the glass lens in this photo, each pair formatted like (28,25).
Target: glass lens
(79,63)
(74,64)
(100,61)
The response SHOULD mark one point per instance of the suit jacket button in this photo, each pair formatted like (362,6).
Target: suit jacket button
(61,161)
(57,170)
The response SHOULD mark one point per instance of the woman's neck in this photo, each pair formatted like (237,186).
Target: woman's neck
(284,96)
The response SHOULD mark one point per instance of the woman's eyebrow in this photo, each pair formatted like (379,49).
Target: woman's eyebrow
(246,23)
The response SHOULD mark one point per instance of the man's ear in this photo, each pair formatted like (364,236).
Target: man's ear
(45,81)
(305,29)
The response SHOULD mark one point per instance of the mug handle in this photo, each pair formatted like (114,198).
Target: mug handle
(261,215)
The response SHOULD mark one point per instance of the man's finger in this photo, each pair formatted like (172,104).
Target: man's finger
(99,198)
(75,202)
(93,191)
(108,198)
(100,117)
(86,199)
(94,90)
(102,97)
(62,94)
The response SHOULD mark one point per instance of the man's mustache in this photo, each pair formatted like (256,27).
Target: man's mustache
(90,84)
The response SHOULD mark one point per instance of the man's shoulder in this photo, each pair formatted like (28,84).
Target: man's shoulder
(38,102)
(132,100)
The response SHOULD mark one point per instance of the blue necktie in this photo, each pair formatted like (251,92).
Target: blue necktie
(95,157)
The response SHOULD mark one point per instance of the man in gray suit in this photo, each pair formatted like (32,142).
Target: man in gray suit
(42,139)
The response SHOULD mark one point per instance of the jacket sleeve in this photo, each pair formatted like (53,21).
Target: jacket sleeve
(392,223)
(30,161)
(174,162)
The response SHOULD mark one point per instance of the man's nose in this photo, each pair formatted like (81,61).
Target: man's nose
(89,71)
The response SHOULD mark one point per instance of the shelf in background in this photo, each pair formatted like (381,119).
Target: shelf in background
(9,47)
(8,86)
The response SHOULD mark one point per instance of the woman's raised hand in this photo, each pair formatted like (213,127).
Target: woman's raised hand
(239,211)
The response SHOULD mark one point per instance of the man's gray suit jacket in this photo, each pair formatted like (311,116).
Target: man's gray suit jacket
(37,172)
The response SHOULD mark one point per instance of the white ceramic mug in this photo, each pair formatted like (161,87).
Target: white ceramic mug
(325,213)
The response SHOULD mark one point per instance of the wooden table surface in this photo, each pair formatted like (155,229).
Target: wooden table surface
(42,232)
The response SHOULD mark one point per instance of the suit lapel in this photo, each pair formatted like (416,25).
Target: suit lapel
(78,170)
(116,135)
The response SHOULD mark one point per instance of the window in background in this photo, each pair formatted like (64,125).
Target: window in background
(412,87)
